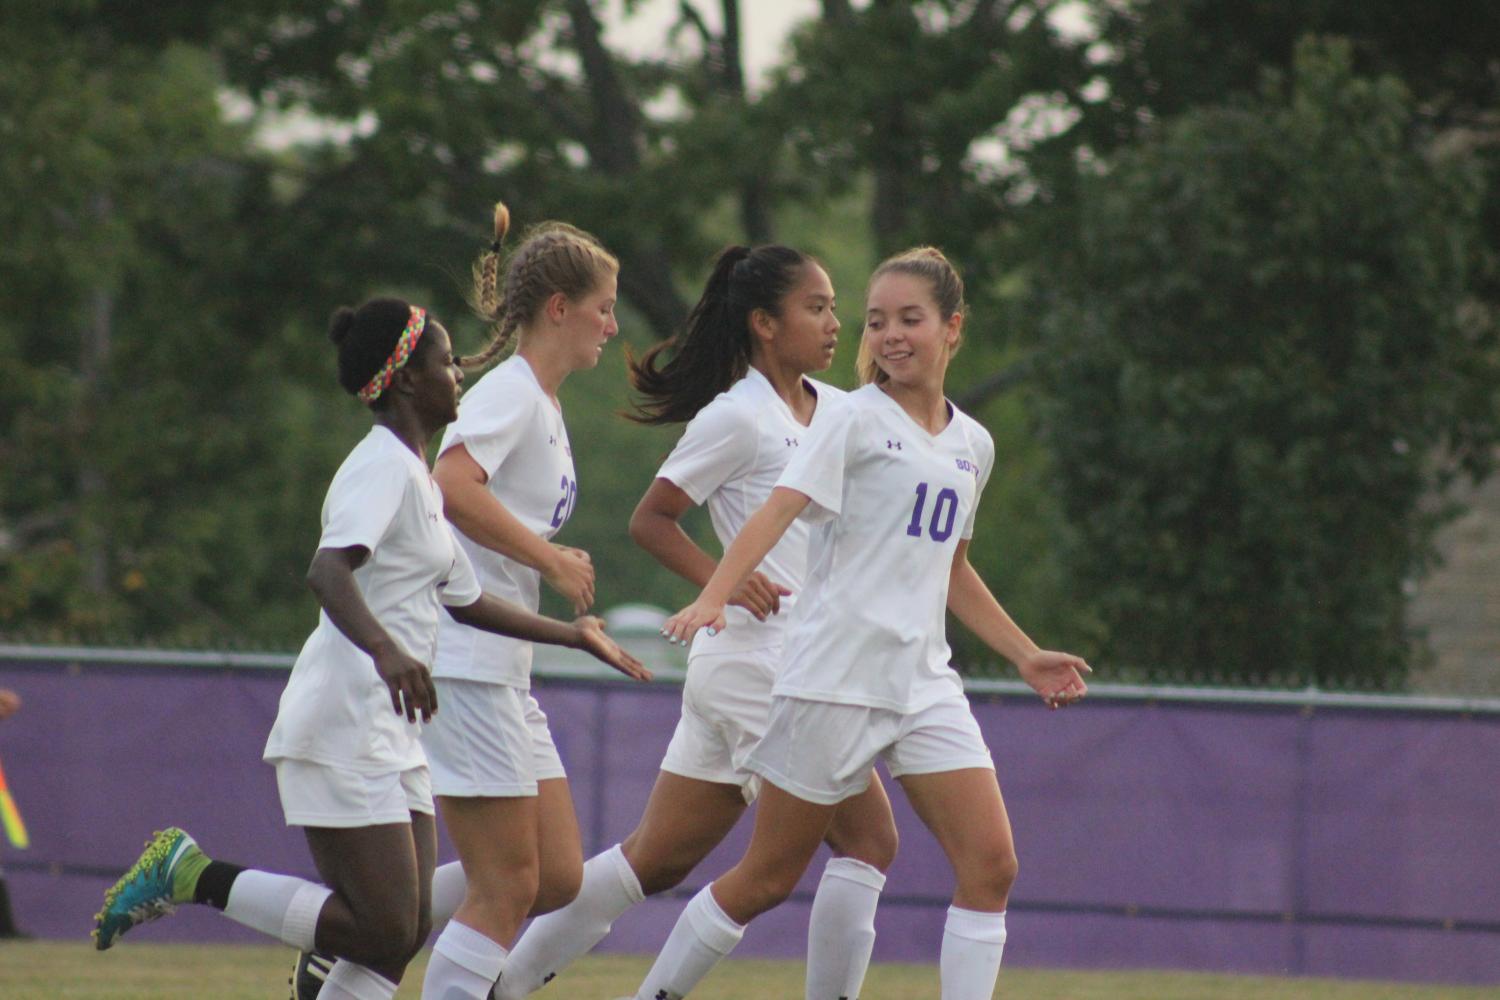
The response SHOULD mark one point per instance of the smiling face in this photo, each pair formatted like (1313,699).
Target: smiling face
(805,332)
(906,333)
(587,323)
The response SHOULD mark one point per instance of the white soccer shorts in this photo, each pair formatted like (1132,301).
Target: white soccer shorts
(822,751)
(320,795)
(726,703)
(488,740)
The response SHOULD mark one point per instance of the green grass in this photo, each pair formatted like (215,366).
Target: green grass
(53,970)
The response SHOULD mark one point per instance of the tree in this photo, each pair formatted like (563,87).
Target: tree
(1260,350)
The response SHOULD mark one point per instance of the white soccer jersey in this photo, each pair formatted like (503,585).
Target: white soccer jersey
(730,456)
(889,504)
(336,710)
(515,432)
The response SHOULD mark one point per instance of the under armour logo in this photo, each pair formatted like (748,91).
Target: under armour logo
(552,975)
(552,439)
(791,442)
(889,445)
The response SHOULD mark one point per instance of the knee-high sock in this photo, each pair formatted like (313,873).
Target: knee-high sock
(283,906)
(703,935)
(347,981)
(554,940)
(464,965)
(970,961)
(841,929)
(448,888)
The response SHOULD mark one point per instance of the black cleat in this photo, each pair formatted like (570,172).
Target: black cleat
(309,973)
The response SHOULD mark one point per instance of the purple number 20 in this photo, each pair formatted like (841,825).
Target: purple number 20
(944,509)
(565,505)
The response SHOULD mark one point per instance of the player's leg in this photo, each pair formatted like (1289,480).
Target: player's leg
(496,839)
(788,831)
(945,769)
(841,927)
(480,748)
(684,820)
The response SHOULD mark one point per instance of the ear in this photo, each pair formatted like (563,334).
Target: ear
(556,307)
(952,328)
(762,325)
(401,381)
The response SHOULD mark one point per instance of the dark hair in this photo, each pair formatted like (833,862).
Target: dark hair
(365,338)
(933,266)
(713,350)
(553,257)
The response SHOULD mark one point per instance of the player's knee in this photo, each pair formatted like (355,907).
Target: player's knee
(995,871)
(663,876)
(772,890)
(874,844)
(511,890)
(558,890)
(389,938)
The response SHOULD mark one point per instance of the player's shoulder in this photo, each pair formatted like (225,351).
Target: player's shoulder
(977,435)
(379,458)
(737,407)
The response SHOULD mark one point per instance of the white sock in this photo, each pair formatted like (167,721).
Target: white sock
(283,906)
(448,888)
(464,965)
(970,961)
(347,981)
(841,929)
(702,935)
(556,939)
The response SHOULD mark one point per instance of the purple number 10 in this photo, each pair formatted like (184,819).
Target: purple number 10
(944,509)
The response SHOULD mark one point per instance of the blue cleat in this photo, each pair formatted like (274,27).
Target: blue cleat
(165,874)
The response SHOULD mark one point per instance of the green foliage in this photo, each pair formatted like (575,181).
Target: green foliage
(1258,356)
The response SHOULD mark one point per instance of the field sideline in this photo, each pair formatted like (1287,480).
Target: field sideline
(51,970)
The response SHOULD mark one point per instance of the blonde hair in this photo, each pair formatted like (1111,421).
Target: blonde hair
(931,265)
(553,257)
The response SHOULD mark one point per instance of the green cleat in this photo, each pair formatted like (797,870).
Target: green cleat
(165,874)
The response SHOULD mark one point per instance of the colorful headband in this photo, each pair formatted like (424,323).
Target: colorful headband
(405,344)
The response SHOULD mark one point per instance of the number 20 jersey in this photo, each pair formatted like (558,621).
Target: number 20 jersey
(889,504)
(514,431)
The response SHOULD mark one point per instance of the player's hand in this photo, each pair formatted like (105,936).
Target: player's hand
(572,575)
(592,640)
(1057,677)
(410,682)
(10,703)
(760,596)
(681,626)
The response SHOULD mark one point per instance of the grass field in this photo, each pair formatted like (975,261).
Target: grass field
(65,971)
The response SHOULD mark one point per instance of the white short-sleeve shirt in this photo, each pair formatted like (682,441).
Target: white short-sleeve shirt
(515,432)
(889,504)
(336,710)
(730,457)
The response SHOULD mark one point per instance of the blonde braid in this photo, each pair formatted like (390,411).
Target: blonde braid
(486,299)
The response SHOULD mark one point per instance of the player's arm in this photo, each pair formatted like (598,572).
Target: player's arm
(473,509)
(494,614)
(1057,677)
(759,535)
(656,526)
(331,578)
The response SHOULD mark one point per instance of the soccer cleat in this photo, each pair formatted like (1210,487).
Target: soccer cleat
(164,875)
(309,974)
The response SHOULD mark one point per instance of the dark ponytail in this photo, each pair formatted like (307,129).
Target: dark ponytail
(713,350)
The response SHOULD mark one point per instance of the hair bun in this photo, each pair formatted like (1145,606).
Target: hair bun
(340,324)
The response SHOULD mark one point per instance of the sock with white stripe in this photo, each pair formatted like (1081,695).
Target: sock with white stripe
(554,940)
(283,906)
(841,929)
(702,936)
(973,942)
(464,965)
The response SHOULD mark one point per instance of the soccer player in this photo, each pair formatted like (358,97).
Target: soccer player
(738,376)
(890,477)
(349,765)
(506,469)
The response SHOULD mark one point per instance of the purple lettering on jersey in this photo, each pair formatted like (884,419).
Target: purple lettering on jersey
(964,465)
(564,509)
